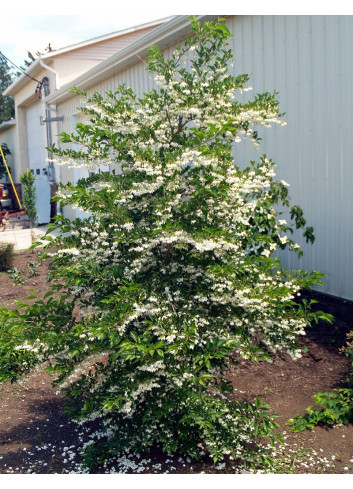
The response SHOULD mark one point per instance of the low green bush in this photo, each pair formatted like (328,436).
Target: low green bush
(331,408)
(6,256)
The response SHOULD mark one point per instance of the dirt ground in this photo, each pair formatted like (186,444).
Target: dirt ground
(36,437)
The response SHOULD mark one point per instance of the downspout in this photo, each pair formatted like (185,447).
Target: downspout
(57,85)
(47,115)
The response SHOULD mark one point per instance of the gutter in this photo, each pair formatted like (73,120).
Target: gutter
(57,86)
(22,80)
(33,68)
(164,35)
(73,47)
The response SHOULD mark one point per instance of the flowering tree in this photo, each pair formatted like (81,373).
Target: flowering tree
(172,279)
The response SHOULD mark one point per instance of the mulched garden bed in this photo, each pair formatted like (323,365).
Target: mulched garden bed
(37,437)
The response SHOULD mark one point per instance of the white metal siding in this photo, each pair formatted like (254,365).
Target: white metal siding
(309,60)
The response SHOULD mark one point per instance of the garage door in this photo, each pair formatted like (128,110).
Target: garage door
(37,155)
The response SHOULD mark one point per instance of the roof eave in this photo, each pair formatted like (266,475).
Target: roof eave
(164,35)
(21,81)
(35,67)
(105,37)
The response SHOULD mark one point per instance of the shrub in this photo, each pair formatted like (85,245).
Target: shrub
(6,256)
(331,408)
(172,279)
(29,196)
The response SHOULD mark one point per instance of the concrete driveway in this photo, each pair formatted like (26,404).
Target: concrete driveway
(20,237)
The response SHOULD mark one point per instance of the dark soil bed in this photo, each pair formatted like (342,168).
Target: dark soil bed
(36,437)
